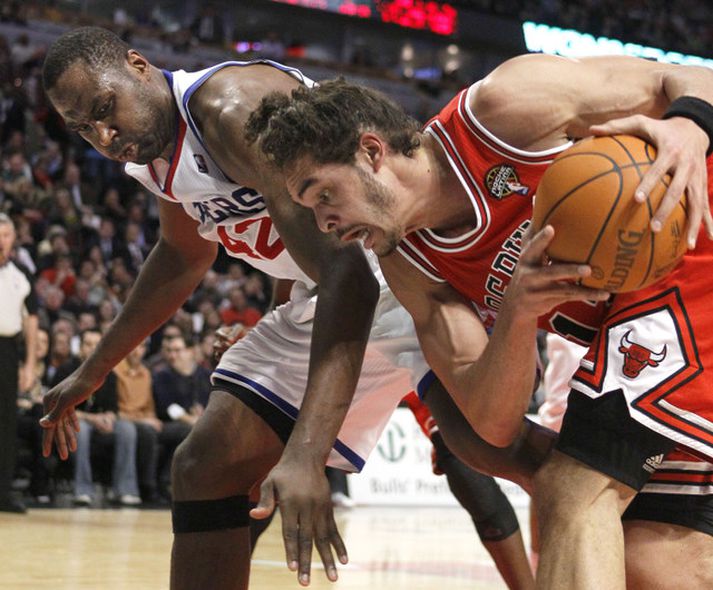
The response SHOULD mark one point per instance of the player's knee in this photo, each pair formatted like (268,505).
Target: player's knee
(202,516)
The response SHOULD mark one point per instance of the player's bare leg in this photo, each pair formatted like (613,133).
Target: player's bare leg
(581,535)
(229,450)
(653,549)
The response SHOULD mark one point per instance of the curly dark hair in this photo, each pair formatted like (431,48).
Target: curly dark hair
(97,47)
(326,122)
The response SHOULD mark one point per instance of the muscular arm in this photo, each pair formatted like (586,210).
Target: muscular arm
(565,97)
(490,391)
(345,280)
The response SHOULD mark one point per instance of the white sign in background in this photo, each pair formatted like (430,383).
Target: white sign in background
(398,471)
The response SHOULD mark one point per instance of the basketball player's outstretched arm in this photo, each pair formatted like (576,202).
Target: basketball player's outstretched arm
(567,98)
(172,271)
(345,281)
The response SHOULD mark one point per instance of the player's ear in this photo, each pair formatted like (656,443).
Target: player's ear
(373,148)
(137,61)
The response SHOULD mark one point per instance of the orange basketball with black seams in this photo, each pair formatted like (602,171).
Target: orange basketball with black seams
(587,195)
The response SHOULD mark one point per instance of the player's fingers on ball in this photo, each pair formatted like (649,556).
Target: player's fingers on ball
(571,292)
(670,200)
(652,177)
(708,219)
(536,247)
(564,271)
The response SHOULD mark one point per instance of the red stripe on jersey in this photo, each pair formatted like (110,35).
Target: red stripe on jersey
(175,157)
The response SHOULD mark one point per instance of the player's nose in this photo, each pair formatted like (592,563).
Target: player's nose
(326,222)
(105,134)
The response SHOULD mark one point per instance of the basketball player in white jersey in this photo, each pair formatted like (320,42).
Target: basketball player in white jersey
(181,135)
(448,210)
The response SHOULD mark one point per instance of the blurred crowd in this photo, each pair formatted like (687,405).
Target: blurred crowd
(674,25)
(84,230)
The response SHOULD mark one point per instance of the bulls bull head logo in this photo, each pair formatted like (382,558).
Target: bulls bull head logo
(637,357)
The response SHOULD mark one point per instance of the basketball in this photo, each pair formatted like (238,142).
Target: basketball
(587,195)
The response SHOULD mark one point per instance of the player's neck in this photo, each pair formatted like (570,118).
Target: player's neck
(170,107)
(440,202)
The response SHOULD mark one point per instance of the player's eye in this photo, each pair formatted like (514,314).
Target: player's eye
(104,110)
(324,197)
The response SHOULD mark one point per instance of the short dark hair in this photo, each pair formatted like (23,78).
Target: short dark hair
(97,47)
(326,122)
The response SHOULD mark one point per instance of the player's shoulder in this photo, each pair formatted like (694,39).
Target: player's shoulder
(237,89)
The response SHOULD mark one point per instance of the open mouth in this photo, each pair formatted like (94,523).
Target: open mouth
(361,233)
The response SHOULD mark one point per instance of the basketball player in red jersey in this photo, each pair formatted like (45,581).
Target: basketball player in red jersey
(447,209)
(181,135)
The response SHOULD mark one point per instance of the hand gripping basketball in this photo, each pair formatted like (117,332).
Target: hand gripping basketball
(588,195)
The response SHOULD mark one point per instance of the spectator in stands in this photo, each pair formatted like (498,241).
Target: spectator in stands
(61,275)
(60,353)
(181,392)
(239,310)
(29,430)
(136,404)
(101,425)
(256,293)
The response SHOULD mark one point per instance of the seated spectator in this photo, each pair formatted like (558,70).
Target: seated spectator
(159,360)
(239,312)
(61,274)
(181,392)
(60,354)
(28,427)
(100,425)
(136,404)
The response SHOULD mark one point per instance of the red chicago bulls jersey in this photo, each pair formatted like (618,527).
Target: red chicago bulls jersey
(500,182)
(652,344)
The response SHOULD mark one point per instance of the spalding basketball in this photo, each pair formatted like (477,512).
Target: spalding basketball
(587,195)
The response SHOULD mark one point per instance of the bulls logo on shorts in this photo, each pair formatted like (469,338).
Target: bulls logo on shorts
(648,351)
(637,356)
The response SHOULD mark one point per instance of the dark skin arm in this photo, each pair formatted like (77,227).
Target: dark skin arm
(345,280)
(172,271)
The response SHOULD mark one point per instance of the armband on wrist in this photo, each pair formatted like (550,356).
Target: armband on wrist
(697,110)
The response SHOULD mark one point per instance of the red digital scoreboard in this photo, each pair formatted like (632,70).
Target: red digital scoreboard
(437,17)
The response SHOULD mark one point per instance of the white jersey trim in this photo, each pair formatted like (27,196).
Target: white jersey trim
(468,114)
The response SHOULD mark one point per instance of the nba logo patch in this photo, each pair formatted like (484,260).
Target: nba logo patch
(200,162)
(502,181)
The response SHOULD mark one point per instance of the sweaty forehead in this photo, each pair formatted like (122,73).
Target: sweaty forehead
(75,89)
